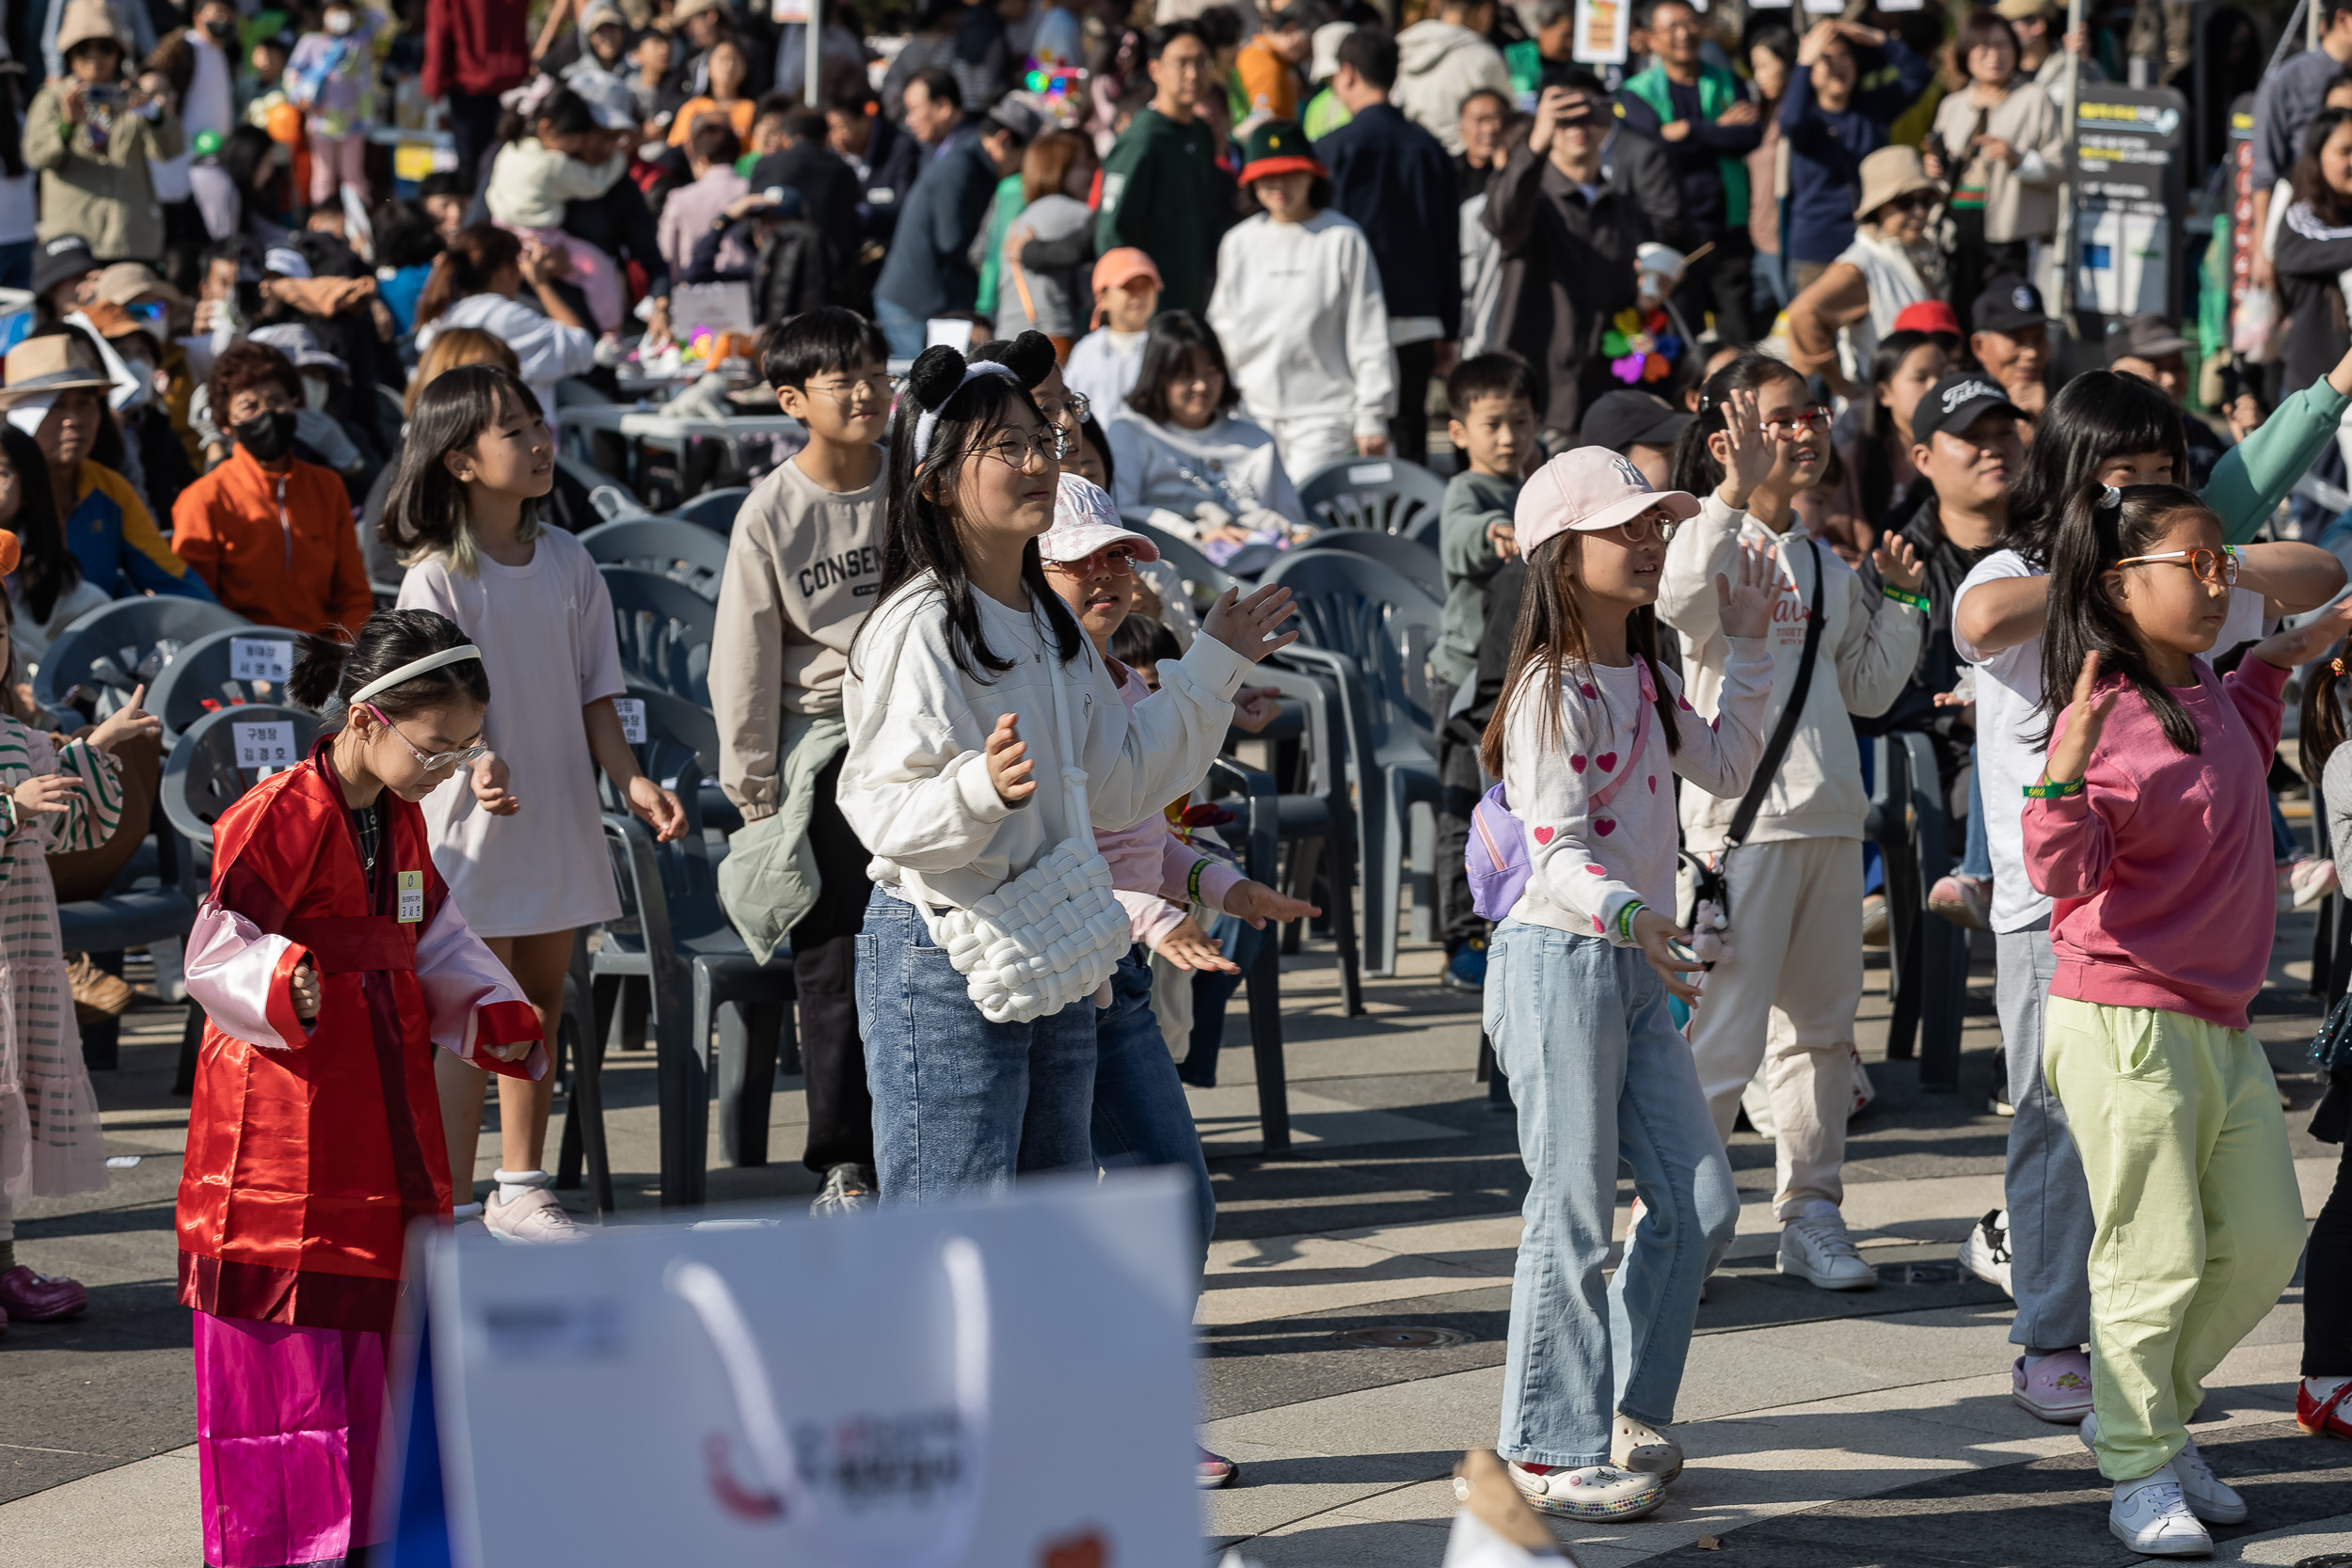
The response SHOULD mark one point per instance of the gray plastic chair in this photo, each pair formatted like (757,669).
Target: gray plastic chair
(1370,629)
(1406,556)
(202,777)
(680,552)
(714,509)
(118,646)
(1203,577)
(666,630)
(204,673)
(1386,495)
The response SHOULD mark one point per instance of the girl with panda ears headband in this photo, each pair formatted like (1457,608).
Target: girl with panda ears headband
(978,715)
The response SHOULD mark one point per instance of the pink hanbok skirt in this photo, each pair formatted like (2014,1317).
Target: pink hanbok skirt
(288,1424)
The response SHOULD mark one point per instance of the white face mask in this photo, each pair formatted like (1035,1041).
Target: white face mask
(316,390)
(338,23)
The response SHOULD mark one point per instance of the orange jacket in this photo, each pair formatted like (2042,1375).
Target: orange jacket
(1267,80)
(279,548)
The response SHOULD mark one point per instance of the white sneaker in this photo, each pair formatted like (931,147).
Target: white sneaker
(1594,1492)
(535,1216)
(2209,1497)
(2151,1516)
(1638,1445)
(1816,1248)
(1985,1252)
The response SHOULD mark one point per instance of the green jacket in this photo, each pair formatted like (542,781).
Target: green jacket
(1472,502)
(1718,91)
(1158,187)
(2254,476)
(990,244)
(105,197)
(1325,115)
(770,878)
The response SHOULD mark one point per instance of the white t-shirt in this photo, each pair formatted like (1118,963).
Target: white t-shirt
(2009,690)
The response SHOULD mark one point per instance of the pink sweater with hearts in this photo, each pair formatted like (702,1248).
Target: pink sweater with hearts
(1587,862)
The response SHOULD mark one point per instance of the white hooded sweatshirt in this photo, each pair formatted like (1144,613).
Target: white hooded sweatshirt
(1439,64)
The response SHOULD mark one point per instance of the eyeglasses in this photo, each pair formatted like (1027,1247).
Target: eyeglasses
(1916,201)
(439,760)
(1815,418)
(2220,565)
(1639,530)
(845,393)
(1018,452)
(1074,406)
(1116,562)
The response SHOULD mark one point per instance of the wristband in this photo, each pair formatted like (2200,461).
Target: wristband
(1916,601)
(1625,918)
(1192,883)
(2053,790)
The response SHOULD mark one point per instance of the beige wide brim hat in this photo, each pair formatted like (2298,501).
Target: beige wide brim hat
(1888,175)
(84,21)
(44,367)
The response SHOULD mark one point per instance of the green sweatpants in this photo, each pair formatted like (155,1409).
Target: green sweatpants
(2198,1221)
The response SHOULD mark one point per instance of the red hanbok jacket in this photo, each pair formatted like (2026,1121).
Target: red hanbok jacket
(313,1148)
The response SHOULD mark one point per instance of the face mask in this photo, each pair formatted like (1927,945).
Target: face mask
(315,391)
(338,23)
(267,437)
(221,32)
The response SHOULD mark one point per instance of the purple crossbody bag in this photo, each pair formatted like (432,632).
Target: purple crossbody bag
(1498,858)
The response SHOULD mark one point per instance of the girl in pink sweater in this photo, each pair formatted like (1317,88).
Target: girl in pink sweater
(2148,828)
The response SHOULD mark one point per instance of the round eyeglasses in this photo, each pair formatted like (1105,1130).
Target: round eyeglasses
(2219,566)
(438,760)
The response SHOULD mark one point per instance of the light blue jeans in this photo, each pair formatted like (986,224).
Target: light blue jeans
(963,1105)
(1141,1116)
(1602,1081)
(901,328)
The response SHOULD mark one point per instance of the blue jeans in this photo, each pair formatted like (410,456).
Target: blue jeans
(1140,1115)
(1212,991)
(1977,860)
(962,1105)
(1603,1079)
(901,328)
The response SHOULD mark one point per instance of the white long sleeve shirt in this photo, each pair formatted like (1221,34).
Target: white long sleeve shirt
(915,783)
(1305,326)
(1869,644)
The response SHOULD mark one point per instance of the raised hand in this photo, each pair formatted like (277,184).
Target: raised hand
(1655,935)
(1009,766)
(1256,706)
(1745,610)
(1898,564)
(1189,948)
(1746,454)
(1258,903)
(2301,645)
(125,721)
(2086,717)
(1248,625)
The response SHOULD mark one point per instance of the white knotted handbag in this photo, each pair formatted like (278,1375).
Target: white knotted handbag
(1054,934)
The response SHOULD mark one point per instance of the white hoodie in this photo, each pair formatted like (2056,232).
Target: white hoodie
(1869,644)
(1299,311)
(1439,64)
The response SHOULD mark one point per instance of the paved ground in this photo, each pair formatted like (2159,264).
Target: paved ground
(1824,1430)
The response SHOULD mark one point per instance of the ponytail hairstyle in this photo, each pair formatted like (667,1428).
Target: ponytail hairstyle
(2094,418)
(2323,717)
(425,512)
(2102,526)
(465,267)
(951,409)
(1695,466)
(327,672)
(1550,633)
(544,99)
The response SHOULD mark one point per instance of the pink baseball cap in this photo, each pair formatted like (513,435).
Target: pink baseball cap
(1086,519)
(1586,490)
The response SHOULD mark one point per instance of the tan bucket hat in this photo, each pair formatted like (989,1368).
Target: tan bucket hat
(40,366)
(87,20)
(1887,175)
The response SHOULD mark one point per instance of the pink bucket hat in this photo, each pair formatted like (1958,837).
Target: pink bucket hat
(1586,490)
(1086,519)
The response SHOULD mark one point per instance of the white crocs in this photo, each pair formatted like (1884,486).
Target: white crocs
(1638,1446)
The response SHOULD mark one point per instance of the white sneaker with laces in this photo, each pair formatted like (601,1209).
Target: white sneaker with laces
(2209,1497)
(2151,1516)
(1815,1247)
(535,1216)
(1985,1252)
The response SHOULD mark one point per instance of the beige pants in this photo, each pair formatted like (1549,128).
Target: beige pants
(1786,998)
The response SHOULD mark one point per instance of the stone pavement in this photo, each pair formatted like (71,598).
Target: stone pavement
(1353,1324)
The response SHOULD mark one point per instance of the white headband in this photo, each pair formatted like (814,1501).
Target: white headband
(414,668)
(930,421)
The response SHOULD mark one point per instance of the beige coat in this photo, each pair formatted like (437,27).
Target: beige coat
(105,197)
(2020,200)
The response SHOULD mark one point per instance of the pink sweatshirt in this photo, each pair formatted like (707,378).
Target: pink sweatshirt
(1151,868)
(2161,865)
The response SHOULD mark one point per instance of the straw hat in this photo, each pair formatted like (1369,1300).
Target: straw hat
(85,20)
(41,367)
(135,283)
(1888,175)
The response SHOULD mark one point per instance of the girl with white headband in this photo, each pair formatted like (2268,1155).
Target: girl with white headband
(463,514)
(981,723)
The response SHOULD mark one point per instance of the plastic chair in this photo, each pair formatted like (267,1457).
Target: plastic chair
(118,646)
(1370,629)
(202,678)
(1204,578)
(1386,495)
(1261,809)
(1407,558)
(1315,813)
(1927,955)
(202,777)
(665,631)
(714,509)
(685,726)
(680,552)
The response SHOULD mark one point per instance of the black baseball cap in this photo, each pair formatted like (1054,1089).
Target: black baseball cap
(1958,400)
(2009,305)
(2145,337)
(61,260)
(1620,420)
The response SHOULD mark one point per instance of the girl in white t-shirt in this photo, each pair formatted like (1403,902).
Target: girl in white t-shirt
(528,866)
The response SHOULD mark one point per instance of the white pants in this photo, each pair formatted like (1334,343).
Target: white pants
(1307,442)
(1786,998)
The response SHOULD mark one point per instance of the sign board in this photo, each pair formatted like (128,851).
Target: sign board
(269,745)
(632,712)
(1603,29)
(2242,236)
(2129,177)
(260,658)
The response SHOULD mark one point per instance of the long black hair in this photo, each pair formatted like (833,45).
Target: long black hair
(47,570)
(425,512)
(328,672)
(1694,467)
(2094,418)
(2099,528)
(1874,475)
(921,541)
(1175,337)
(1551,633)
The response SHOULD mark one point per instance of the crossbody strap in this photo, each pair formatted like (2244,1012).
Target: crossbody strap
(1641,735)
(1776,749)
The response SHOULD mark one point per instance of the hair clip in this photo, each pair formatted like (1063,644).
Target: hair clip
(2335,666)
(2109,498)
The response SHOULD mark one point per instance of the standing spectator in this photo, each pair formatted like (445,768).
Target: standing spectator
(830,194)
(884,157)
(2012,341)
(474,284)
(1710,126)
(1442,60)
(1877,488)
(1485,115)
(2313,248)
(93,152)
(1015,123)
(1998,143)
(714,200)
(1057,172)
(953,36)
(2036,22)
(331,78)
(1395,180)
(726,76)
(2289,99)
(1568,240)
(1834,324)
(1269,64)
(1158,181)
(209,101)
(1830,127)
(473,50)
(1772,62)
(1104,364)
(1297,308)
(930,268)
(1325,112)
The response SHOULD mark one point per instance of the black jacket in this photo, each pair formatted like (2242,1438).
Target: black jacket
(622,224)
(828,198)
(930,268)
(1945,564)
(893,159)
(1639,168)
(1567,267)
(2311,255)
(1395,180)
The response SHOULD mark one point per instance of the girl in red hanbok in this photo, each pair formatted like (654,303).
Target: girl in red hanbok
(331,962)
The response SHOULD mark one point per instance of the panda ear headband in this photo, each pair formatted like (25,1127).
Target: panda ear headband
(940,372)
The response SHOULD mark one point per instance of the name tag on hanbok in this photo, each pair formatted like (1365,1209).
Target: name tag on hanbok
(632,712)
(411,897)
(260,658)
(263,745)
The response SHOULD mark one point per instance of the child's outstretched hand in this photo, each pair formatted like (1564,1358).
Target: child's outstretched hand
(2086,715)
(1010,768)
(2301,645)
(1898,564)
(1746,453)
(304,991)
(490,779)
(1258,903)
(125,721)
(1256,706)
(1189,947)
(1248,625)
(1746,609)
(47,794)
(1653,933)
(659,807)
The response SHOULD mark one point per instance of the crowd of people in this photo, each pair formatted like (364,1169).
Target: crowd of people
(1763,438)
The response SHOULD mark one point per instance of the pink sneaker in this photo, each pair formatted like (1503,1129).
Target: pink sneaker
(2057,1390)
(38,1299)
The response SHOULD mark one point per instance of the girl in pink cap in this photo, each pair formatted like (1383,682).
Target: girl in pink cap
(1589,731)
